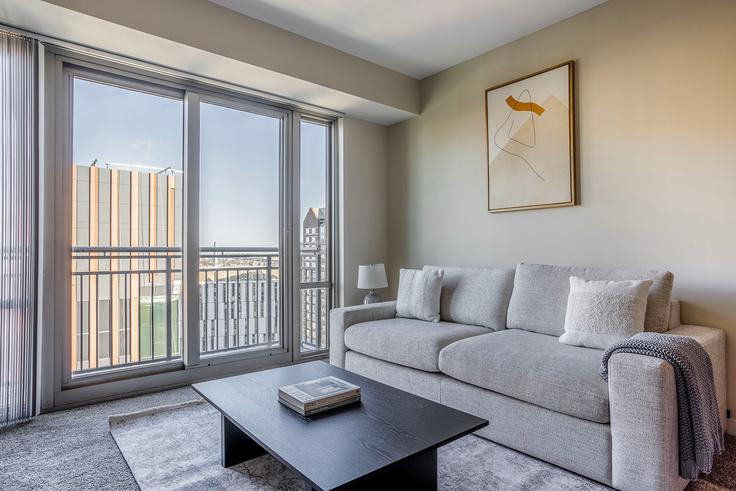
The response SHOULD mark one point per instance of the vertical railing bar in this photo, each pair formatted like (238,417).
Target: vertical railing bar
(318,341)
(97,323)
(226,309)
(209,326)
(247,308)
(204,333)
(257,305)
(168,306)
(140,337)
(109,320)
(153,278)
(268,299)
(216,303)
(238,309)
(125,318)
(81,323)
(212,341)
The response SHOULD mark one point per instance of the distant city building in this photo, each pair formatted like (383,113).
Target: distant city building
(120,317)
(314,270)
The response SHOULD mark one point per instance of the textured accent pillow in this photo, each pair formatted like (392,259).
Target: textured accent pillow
(601,313)
(419,294)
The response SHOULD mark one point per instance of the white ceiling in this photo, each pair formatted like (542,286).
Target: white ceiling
(415,37)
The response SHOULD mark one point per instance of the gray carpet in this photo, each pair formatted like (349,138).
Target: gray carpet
(73,449)
(177,448)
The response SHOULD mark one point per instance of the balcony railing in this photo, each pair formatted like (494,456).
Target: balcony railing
(127,309)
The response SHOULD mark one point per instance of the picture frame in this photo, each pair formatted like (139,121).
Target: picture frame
(530,141)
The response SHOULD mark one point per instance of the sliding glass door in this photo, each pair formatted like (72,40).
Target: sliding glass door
(126,222)
(315,265)
(199,227)
(240,168)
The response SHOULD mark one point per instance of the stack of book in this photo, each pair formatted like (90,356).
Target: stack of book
(316,396)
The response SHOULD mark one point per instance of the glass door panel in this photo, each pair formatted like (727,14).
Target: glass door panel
(239,228)
(127,190)
(314,244)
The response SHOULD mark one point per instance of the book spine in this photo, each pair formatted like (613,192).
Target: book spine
(335,405)
(329,400)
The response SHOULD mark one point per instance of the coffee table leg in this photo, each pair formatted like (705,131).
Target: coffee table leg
(418,473)
(236,446)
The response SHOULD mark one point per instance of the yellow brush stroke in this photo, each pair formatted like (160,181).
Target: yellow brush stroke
(524,106)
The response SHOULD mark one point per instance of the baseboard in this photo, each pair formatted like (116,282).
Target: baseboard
(731,426)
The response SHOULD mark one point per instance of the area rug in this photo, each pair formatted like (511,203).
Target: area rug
(178,447)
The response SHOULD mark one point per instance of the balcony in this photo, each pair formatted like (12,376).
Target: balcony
(127,306)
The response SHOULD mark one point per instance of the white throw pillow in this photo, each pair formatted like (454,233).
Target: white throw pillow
(419,294)
(601,313)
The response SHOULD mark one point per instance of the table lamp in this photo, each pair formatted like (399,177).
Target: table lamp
(370,277)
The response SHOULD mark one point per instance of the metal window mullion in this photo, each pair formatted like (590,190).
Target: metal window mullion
(190,269)
(294,176)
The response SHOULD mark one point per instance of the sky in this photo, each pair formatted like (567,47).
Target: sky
(239,156)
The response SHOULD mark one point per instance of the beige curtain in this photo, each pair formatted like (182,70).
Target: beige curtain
(18,204)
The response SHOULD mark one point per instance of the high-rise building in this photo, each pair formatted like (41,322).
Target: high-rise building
(126,229)
(314,269)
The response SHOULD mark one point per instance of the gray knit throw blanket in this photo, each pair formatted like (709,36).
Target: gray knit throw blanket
(699,424)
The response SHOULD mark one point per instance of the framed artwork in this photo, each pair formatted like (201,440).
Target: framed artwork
(531,141)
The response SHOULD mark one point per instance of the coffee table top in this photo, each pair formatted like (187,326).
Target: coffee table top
(339,446)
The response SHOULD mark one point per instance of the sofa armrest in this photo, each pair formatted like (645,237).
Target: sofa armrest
(344,317)
(643,406)
(714,342)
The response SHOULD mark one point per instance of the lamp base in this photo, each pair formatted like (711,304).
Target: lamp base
(372,297)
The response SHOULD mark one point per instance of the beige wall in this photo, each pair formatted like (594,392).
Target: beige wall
(656,96)
(363,203)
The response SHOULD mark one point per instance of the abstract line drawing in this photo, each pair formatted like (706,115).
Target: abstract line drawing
(530,141)
(533,109)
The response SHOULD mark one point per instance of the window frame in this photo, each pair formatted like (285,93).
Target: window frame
(331,232)
(69,72)
(57,387)
(194,357)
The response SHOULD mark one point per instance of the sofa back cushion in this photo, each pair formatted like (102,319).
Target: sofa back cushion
(539,300)
(476,296)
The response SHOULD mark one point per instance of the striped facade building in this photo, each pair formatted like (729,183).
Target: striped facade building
(119,291)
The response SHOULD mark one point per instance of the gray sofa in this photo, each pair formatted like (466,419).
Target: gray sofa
(495,353)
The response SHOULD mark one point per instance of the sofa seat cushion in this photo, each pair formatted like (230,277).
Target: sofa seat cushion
(534,368)
(409,342)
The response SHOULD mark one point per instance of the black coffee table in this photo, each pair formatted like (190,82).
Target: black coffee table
(390,438)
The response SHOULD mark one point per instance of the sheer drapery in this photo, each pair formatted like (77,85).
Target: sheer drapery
(18,205)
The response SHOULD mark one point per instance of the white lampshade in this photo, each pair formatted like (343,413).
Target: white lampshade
(372,276)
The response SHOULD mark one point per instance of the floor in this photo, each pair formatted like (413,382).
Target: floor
(73,449)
